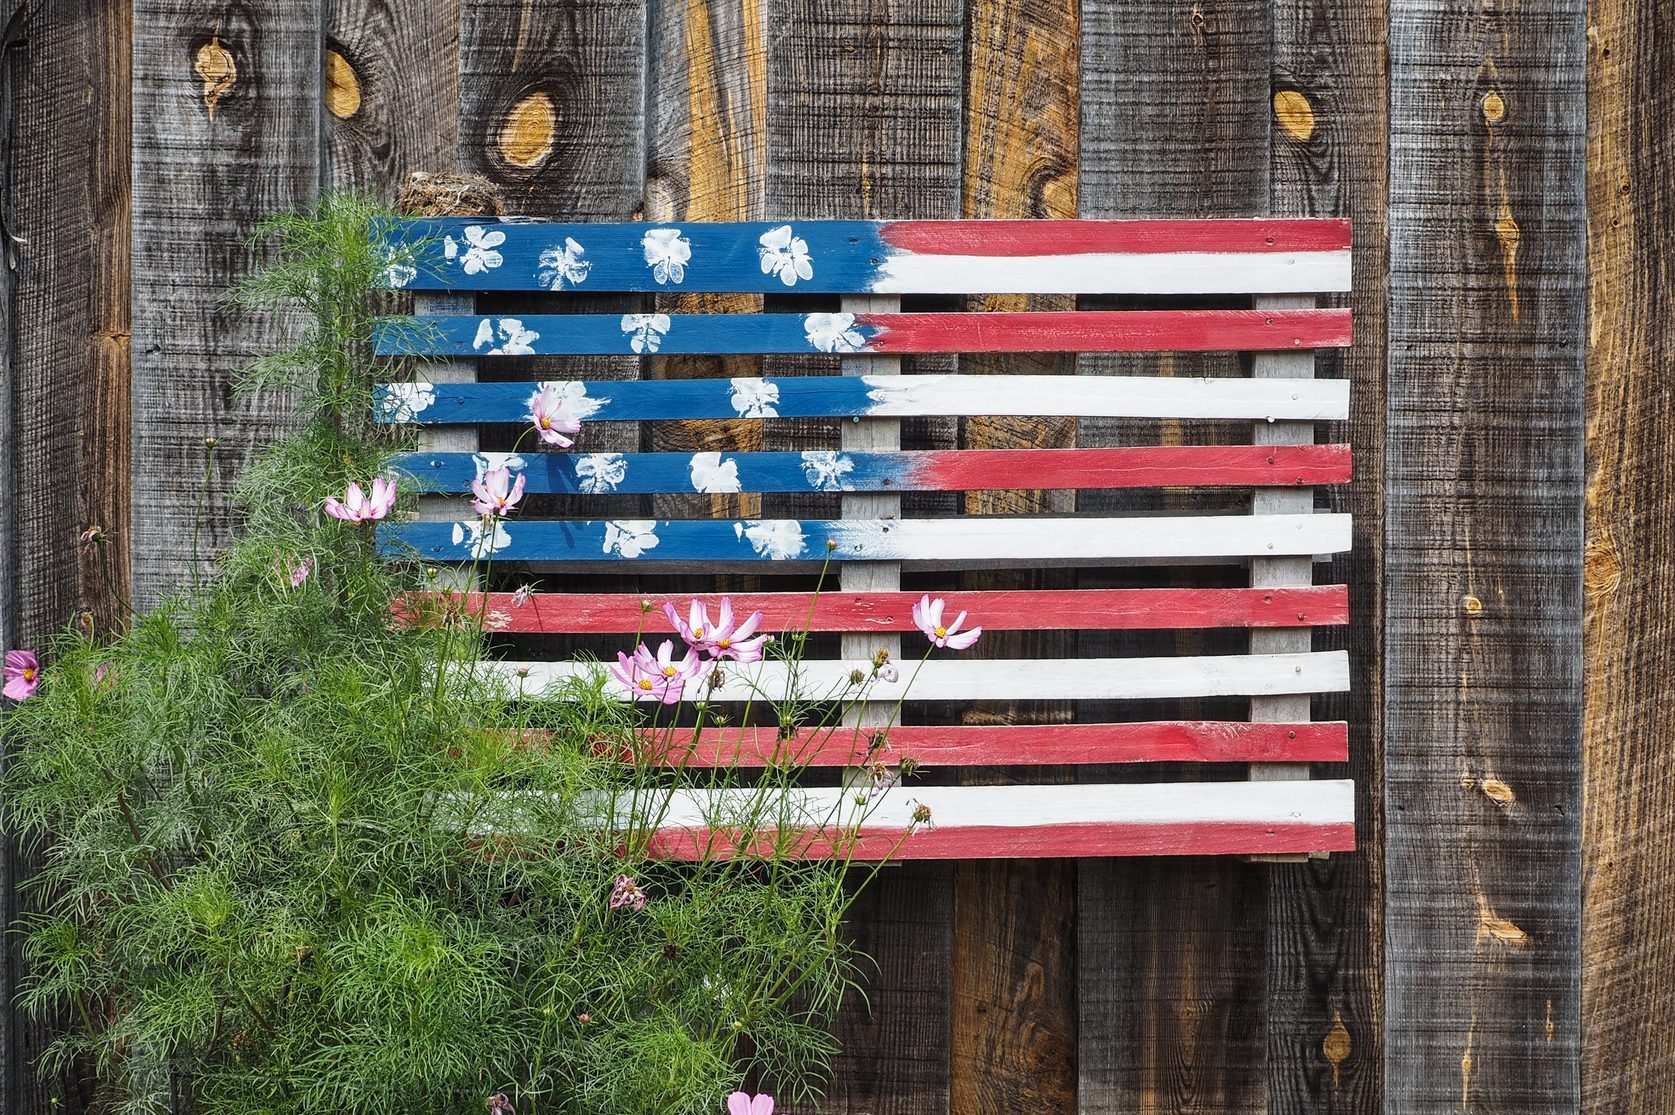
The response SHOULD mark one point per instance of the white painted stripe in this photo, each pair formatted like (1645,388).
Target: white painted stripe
(957,679)
(1116,273)
(1327,801)
(1015,538)
(1325,400)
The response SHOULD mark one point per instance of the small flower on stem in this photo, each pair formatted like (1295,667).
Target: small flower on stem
(723,638)
(495,493)
(656,677)
(627,893)
(358,507)
(104,676)
(521,597)
(547,409)
(23,674)
(927,616)
(91,538)
(292,570)
(742,1103)
(499,1104)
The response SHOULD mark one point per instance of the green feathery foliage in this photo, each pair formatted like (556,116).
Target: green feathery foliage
(302,858)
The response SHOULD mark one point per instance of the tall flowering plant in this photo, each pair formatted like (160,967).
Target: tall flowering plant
(305,849)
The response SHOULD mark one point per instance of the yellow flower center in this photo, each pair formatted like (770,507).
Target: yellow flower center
(29,673)
(669,671)
(725,643)
(546,423)
(697,632)
(645,683)
(941,631)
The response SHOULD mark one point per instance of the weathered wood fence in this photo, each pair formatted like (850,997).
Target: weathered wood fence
(1500,941)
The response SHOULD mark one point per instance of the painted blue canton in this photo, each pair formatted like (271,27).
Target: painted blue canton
(770,257)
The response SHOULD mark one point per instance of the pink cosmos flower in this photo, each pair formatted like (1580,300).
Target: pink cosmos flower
(357,507)
(927,616)
(293,569)
(656,677)
(627,893)
(499,1104)
(104,676)
(552,422)
(495,492)
(741,1103)
(521,597)
(23,674)
(721,639)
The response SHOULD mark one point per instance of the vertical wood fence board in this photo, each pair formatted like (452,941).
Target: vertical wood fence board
(863,120)
(1170,977)
(1328,137)
(708,162)
(1628,932)
(553,112)
(1483,500)
(66,77)
(1013,995)
(391,92)
(226,132)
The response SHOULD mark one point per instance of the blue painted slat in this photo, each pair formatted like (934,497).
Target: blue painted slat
(661,473)
(617,334)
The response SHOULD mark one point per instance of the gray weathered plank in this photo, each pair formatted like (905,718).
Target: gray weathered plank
(1483,588)
(1628,924)
(863,120)
(1174,123)
(226,132)
(1328,141)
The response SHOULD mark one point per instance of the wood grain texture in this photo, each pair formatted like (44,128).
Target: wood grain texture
(226,131)
(1170,953)
(1483,548)
(553,112)
(64,421)
(707,139)
(1328,135)
(1628,1048)
(68,251)
(863,121)
(391,94)
(1013,1045)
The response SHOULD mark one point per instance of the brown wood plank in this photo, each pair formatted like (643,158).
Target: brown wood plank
(1628,790)
(391,92)
(1483,557)
(707,142)
(65,304)
(226,131)
(863,120)
(1013,1019)
(1328,140)
(1170,969)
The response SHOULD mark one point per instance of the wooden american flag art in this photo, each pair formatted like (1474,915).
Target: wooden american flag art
(1276,267)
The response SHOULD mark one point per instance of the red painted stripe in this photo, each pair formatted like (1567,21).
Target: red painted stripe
(1037,238)
(1204,466)
(1111,331)
(1204,838)
(1163,741)
(885,612)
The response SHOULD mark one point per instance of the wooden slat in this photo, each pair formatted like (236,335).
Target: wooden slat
(878,332)
(979,822)
(1483,557)
(945,679)
(1170,953)
(891,612)
(1628,911)
(1327,155)
(882,397)
(900,257)
(977,745)
(226,133)
(986,539)
(1283,466)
